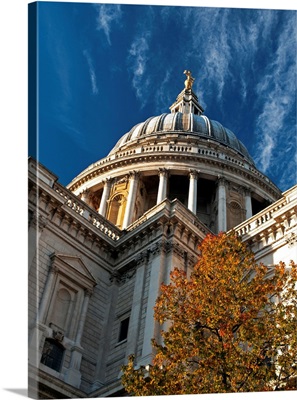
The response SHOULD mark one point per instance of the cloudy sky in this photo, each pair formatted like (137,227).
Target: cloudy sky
(104,68)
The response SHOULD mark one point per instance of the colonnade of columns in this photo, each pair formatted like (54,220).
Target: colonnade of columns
(163,193)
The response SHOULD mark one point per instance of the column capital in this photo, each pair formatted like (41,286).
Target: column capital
(134,174)
(107,181)
(221,180)
(247,190)
(163,172)
(193,173)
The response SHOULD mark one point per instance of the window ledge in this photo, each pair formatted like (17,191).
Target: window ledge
(121,342)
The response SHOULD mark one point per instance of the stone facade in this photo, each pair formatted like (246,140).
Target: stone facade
(100,248)
(87,278)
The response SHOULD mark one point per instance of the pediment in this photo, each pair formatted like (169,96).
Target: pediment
(73,265)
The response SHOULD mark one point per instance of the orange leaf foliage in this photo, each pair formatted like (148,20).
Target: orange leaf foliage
(232,326)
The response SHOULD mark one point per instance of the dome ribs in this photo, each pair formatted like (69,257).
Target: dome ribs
(183,124)
(159,125)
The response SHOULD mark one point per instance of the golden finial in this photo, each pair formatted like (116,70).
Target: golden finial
(190,80)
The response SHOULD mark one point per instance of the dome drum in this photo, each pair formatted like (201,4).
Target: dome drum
(155,183)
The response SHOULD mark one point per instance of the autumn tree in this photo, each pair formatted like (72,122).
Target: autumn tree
(230,326)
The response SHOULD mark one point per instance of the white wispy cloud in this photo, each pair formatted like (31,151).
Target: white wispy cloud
(162,97)
(91,72)
(108,15)
(138,56)
(209,40)
(277,89)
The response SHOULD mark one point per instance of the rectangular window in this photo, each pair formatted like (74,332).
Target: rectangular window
(52,354)
(124,326)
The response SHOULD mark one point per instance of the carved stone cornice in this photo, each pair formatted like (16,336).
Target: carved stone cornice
(115,277)
(161,246)
(291,240)
(143,257)
(127,275)
(121,278)
(38,221)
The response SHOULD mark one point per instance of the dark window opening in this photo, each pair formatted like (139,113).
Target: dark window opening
(124,329)
(52,354)
(258,206)
(178,188)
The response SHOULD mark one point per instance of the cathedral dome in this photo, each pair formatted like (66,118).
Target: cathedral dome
(183,123)
(183,155)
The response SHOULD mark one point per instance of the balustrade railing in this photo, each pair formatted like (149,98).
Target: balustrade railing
(86,212)
(259,220)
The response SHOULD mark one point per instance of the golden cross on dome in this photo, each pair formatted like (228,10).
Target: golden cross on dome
(190,80)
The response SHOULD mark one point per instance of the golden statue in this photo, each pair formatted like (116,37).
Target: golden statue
(190,80)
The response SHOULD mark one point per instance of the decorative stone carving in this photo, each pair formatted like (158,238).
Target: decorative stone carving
(59,336)
(115,277)
(291,239)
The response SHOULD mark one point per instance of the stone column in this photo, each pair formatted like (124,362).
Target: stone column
(105,197)
(133,181)
(162,190)
(222,206)
(73,374)
(192,197)
(248,204)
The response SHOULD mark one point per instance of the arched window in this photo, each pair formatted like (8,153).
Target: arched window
(52,354)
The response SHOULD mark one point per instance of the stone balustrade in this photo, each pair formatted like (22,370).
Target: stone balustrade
(262,220)
(88,213)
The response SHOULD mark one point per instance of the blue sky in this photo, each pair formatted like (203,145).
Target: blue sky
(104,68)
